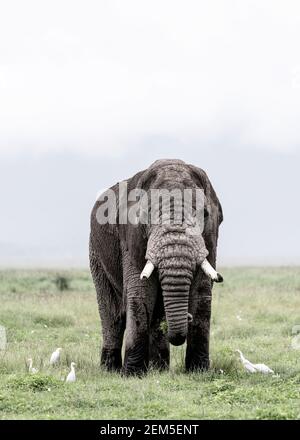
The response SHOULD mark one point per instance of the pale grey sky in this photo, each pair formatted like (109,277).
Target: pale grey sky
(93,91)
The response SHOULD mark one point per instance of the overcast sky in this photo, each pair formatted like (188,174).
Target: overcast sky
(93,91)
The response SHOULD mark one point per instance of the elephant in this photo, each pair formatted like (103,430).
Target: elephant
(154,281)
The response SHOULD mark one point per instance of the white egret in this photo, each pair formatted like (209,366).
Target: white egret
(254,368)
(31,369)
(71,376)
(55,356)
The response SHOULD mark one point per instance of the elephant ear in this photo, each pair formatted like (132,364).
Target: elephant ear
(134,235)
(202,181)
(214,208)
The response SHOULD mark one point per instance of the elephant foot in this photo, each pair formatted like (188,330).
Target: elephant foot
(132,368)
(198,364)
(136,359)
(128,371)
(111,359)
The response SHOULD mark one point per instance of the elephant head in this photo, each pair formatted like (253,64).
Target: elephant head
(177,249)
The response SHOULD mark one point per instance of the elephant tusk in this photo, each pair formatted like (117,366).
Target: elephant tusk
(211,272)
(147,271)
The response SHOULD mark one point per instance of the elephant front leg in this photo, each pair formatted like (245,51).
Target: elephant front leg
(111,357)
(137,337)
(197,353)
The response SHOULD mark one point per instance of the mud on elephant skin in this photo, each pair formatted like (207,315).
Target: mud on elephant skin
(148,272)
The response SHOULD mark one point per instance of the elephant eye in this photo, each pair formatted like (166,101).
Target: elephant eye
(205,213)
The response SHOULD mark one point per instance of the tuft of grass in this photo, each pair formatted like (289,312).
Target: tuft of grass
(164,327)
(62,283)
(34,382)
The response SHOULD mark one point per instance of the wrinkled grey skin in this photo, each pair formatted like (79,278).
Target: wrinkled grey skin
(177,286)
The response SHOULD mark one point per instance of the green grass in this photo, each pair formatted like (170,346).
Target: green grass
(43,310)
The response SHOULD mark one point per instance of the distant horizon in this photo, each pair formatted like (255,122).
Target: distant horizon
(69,262)
(52,265)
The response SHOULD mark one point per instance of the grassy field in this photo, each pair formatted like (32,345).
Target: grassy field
(254,310)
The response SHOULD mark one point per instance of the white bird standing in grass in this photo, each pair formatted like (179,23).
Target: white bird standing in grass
(55,356)
(71,376)
(31,369)
(254,368)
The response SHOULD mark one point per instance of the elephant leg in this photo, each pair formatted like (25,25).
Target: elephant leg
(159,347)
(112,321)
(197,352)
(136,359)
(141,299)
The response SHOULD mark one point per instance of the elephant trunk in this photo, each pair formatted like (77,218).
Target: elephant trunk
(175,279)
(175,251)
